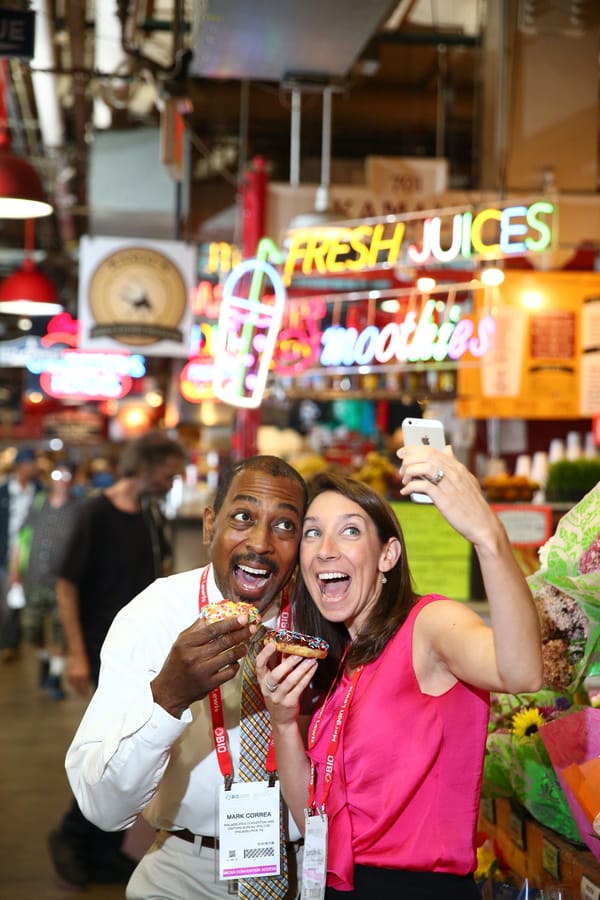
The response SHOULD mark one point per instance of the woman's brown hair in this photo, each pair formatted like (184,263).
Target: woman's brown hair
(397,594)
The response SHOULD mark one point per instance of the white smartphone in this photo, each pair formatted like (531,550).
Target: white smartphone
(430,433)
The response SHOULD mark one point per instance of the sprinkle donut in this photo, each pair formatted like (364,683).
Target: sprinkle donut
(299,644)
(227,609)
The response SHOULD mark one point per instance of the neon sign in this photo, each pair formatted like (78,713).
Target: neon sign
(412,340)
(346,250)
(491,233)
(196,378)
(258,331)
(248,328)
(432,330)
(467,234)
(80,374)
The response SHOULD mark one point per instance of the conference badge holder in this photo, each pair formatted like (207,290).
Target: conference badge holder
(249,837)
(314,864)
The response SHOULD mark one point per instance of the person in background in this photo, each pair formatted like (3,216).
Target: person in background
(16,496)
(117,547)
(34,564)
(146,739)
(395,752)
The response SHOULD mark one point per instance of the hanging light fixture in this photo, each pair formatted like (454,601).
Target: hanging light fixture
(28,292)
(321,216)
(22,195)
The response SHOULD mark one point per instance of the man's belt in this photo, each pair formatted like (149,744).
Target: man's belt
(186,835)
(213,843)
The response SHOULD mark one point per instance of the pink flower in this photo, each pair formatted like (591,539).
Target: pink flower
(590,560)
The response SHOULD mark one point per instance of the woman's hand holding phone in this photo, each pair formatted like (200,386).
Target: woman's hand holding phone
(425,433)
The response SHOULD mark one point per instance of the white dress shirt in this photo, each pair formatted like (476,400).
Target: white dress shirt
(129,754)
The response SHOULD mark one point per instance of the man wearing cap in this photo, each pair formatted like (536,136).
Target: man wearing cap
(16,497)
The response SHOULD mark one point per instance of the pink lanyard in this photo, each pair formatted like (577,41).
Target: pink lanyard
(334,741)
(216,701)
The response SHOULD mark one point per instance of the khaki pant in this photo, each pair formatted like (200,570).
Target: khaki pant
(173,869)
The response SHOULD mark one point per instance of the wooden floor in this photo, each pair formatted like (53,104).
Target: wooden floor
(35,733)
(34,793)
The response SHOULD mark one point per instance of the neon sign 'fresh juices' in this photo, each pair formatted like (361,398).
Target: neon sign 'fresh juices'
(258,332)
(490,233)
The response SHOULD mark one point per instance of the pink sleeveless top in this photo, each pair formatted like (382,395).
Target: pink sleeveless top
(405,789)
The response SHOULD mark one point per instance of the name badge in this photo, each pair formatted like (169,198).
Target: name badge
(249,830)
(314,864)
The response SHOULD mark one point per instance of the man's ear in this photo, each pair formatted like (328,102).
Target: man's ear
(208,523)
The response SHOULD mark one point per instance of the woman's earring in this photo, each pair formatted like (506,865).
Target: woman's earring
(383,578)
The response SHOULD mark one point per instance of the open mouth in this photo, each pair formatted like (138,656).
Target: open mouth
(333,584)
(250,579)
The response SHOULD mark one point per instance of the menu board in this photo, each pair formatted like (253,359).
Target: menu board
(544,358)
(526,525)
(438,557)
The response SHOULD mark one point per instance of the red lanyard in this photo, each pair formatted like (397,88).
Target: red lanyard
(216,702)
(334,741)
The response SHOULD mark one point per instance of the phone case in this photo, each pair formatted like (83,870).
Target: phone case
(429,432)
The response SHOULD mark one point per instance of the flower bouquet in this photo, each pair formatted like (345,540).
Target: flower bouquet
(529,734)
(517,764)
(569,576)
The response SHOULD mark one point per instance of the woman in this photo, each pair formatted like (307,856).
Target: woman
(395,752)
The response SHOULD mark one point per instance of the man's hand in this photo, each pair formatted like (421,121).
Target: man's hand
(78,673)
(203,657)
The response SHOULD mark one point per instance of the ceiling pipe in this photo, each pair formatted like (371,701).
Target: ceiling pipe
(45,86)
(109,56)
(322,201)
(51,120)
(295,127)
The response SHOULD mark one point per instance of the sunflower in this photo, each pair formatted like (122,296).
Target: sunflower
(526,722)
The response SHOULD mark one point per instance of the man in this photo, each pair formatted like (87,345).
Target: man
(16,497)
(34,564)
(117,547)
(147,739)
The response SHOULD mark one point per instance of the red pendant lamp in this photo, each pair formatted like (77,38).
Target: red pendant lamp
(22,195)
(28,292)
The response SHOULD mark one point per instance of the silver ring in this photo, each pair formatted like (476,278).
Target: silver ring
(270,686)
(438,476)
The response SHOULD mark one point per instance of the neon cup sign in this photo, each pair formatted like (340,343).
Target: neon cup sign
(248,328)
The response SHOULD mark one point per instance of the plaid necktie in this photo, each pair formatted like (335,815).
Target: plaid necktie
(255,730)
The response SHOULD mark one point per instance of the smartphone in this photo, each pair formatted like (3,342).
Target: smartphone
(430,433)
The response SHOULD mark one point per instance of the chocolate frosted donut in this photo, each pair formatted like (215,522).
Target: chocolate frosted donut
(299,644)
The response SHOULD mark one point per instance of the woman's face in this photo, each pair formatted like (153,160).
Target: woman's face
(341,557)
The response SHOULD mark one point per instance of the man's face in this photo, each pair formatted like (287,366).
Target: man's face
(158,481)
(255,536)
(28,470)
